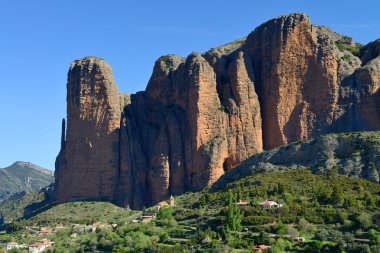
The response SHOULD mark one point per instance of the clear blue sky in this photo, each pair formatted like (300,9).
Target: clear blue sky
(39,39)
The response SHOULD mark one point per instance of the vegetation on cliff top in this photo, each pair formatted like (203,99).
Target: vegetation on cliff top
(354,49)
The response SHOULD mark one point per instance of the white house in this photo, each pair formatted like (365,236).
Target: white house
(270,204)
(12,245)
(40,246)
(299,239)
(146,218)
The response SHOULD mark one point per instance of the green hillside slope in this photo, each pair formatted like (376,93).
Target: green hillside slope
(23,177)
(333,213)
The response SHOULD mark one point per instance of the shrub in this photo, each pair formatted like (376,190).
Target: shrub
(165,213)
(257,220)
(344,46)
(364,220)
(303,225)
(321,235)
(292,232)
(357,248)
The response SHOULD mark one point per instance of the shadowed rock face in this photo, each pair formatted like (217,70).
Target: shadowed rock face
(203,115)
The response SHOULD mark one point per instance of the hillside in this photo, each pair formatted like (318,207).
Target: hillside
(351,154)
(202,115)
(331,212)
(23,177)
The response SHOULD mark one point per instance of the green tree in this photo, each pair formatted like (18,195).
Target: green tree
(364,220)
(281,245)
(315,246)
(13,227)
(234,216)
(337,194)
(165,213)
(303,225)
(374,236)
(281,188)
(292,232)
(262,238)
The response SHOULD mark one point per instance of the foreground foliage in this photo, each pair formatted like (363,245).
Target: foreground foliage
(333,213)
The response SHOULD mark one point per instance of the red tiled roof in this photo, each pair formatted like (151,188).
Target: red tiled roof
(262,247)
(267,203)
(43,242)
(37,244)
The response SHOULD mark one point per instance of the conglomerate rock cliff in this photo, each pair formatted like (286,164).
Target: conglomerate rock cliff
(203,115)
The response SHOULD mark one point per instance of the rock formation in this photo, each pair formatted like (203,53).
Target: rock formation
(203,115)
(353,154)
(91,149)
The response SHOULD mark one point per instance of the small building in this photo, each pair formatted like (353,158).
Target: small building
(59,228)
(12,245)
(171,201)
(45,231)
(270,204)
(242,203)
(23,246)
(299,239)
(89,228)
(146,218)
(40,246)
(260,248)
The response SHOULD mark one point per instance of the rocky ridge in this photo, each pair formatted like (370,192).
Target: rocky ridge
(352,154)
(21,178)
(203,115)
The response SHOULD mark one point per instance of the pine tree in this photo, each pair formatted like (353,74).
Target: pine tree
(337,194)
(239,195)
(281,188)
(234,216)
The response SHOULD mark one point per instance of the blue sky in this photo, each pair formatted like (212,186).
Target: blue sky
(39,39)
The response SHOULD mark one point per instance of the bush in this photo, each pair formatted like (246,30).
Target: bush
(292,232)
(314,246)
(303,225)
(364,220)
(357,248)
(335,235)
(257,220)
(321,235)
(165,213)
(344,46)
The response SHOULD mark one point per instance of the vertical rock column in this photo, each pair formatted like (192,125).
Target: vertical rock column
(92,143)
(295,77)
(366,93)
(206,148)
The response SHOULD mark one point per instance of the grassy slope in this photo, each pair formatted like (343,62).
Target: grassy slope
(84,213)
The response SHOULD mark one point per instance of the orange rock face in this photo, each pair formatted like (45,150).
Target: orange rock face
(203,115)
(296,70)
(92,142)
